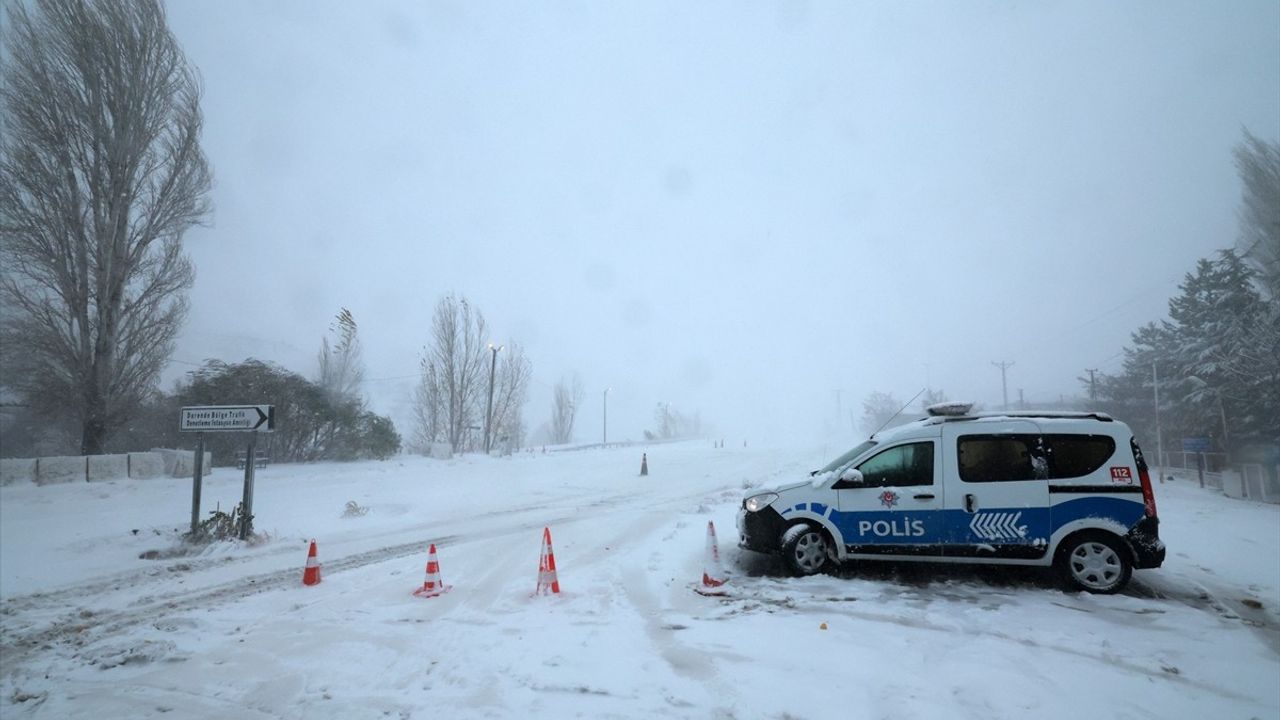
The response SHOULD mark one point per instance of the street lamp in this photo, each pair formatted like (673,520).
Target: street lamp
(488,421)
(606,416)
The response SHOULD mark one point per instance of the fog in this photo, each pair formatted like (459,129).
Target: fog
(757,211)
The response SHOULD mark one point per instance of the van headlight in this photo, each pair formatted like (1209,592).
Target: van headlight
(755,503)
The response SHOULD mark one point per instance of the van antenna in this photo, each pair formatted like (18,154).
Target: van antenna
(904,407)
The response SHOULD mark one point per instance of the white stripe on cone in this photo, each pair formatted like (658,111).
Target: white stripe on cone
(547,579)
(713,577)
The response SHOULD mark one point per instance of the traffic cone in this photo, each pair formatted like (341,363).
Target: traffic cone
(547,580)
(644,464)
(433,585)
(311,576)
(713,577)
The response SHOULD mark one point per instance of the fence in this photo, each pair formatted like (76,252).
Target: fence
(1213,461)
(1257,484)
(1247,481)
(93,468)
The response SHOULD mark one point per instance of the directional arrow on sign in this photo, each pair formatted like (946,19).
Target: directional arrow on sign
(228,418)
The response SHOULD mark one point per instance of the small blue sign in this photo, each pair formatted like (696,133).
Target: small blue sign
(1195,445)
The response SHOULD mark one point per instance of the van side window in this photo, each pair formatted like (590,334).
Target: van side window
(1002,458)
(1073,456)
(900,466)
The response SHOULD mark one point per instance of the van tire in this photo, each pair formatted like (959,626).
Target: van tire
(806,549)
(1095,562)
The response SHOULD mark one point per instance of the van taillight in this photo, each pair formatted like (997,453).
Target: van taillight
(1148,495)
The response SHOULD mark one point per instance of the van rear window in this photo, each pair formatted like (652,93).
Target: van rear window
(1006,458)
(1073,456)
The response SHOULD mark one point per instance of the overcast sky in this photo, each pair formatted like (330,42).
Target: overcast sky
(739,208)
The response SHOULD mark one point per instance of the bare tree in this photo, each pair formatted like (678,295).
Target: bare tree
(877,409)
(453,381)
(341,364)
(566,400)
(1258,163)
(931,397)
(428,408)
(101,174)
(511,389)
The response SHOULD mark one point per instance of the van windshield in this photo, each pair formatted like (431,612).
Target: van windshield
(848,457)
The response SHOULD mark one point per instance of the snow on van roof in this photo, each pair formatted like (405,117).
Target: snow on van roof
(988,416)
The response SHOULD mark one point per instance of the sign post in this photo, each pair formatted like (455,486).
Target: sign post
(196,482)
(227,418)
(1199,446)
(246,505)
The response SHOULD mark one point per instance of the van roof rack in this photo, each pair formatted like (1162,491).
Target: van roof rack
(1060,414)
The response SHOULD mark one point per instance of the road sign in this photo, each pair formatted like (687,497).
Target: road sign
(228,418)
(1195,444)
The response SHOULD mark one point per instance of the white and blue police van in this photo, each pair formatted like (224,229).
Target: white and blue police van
(1068,490)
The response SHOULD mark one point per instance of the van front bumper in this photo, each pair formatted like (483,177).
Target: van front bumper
(761,530)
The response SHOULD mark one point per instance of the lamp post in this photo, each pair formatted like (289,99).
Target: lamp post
(488,420)
(606,416)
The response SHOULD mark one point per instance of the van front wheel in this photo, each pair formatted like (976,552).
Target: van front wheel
(805,549)
(1095,562)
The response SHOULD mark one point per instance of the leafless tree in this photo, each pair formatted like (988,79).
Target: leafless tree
(453,380)
(877,409)
(672,423)
(1258,163)
(101,174)
(341,365)
(566,400)
(931,397)
(511,389)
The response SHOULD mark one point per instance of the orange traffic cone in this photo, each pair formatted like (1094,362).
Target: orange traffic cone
(644,464)
(713,577)
(433,585)
(311,576)
(547,580)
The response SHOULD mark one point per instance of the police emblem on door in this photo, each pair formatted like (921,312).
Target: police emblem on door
(888,498)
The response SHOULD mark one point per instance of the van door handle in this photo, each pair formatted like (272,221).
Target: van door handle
(970,503)
(926,496)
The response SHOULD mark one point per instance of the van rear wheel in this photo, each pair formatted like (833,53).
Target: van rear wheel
(805,550)
(1095,562)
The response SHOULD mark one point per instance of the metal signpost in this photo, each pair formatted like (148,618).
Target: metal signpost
(1198,446)
(227,418)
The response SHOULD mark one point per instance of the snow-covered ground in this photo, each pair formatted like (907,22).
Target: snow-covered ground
(90,630)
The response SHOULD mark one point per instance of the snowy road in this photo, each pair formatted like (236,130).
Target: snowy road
(89,630)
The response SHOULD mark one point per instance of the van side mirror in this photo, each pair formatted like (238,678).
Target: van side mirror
(851,476)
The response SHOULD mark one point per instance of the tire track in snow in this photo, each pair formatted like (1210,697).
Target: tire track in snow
(815,608)
(72,599)
(686,661)
(84,627)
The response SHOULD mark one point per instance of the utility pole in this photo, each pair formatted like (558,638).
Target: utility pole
(606,417)
(1004,385)
(1155,380)
(1093,388)
(488,419)
(1022,403)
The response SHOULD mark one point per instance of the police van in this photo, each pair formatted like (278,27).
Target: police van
(1068,490)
